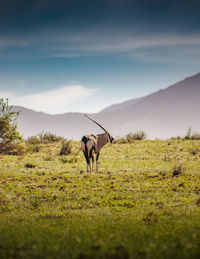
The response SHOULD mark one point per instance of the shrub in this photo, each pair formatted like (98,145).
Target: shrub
(192,135)
(9,136)
(33,140)
(8,126)
(194,151)
(197,202)
(44,138)
(131,137)
(138,135)
(49,137)
(121,140)
(11,149)
(29,165)
(66,148)
(48,157)
(195,136)
(68,159)
(32,148)
(188,134)
(176,138)
(178,170)
(35,148)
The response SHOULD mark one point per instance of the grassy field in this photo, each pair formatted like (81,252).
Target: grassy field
(143,203)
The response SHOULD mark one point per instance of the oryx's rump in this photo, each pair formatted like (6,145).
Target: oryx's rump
(89,143)
(89,147)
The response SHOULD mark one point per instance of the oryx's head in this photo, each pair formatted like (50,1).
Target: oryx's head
(110,138)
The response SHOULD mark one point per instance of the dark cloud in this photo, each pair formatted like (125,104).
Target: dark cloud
(74,28)
(23,16)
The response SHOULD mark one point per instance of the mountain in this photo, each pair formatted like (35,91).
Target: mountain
(162,114)
(119,106)
(69,125)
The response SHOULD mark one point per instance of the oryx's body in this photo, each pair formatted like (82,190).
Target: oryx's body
(92,144)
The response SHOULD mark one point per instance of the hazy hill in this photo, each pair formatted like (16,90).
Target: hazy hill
(168,112)
(70,125)
(119,106)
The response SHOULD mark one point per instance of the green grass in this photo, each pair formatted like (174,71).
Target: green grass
(136,206)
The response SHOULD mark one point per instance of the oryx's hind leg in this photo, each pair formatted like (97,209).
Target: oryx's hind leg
(97,157)
(86,146)
(92,156)
(92,162)
(89,164)
(87,160)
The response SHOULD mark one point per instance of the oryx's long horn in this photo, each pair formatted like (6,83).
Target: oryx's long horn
(95,122)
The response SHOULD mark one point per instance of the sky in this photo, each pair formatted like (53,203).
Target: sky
(82,56)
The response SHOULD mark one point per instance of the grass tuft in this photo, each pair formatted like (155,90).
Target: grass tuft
(29,165)
(178,170)
(66,148)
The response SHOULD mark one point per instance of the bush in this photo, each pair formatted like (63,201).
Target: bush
(49,137)
(68,159)
(9,136)
(44,138)
(131,137)
(194,151)
(195,136)
(29,165)
(8,126)
(178,170)
(121,140)
(66,148)
(192,135)
(33,140)
(11,149)
(33,148)
(138,135)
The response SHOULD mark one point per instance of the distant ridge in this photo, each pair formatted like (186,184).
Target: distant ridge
(119,106)
(162,114)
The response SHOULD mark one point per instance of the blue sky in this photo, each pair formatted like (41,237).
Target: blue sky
(62,56)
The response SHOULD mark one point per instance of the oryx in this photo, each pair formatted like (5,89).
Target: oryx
(92,144)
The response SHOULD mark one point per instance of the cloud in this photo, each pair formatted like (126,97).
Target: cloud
(179,54)
(103,39)
(6,42)
(125,42)
(158,48)
(54,101)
